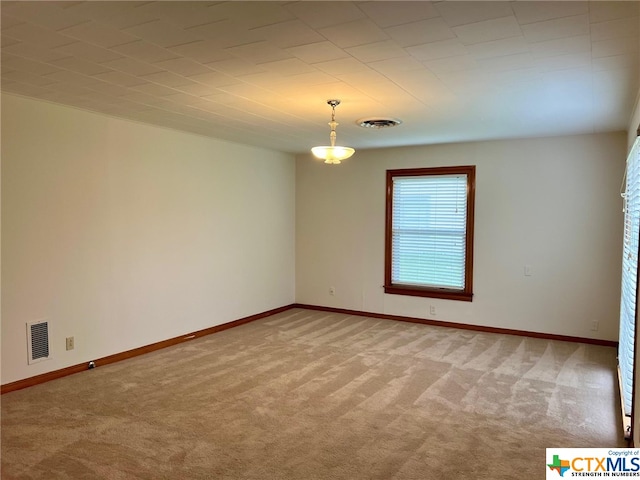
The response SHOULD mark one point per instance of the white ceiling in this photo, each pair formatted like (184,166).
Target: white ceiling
(260,73)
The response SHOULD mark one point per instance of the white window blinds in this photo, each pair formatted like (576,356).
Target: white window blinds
(429,231)
(628,303)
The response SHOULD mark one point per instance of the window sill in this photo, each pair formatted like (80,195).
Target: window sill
(428,292)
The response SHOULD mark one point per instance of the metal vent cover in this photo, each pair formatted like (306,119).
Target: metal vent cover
(378,122)
(38,341)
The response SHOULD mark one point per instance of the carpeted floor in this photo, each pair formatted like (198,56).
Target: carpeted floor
(314,395)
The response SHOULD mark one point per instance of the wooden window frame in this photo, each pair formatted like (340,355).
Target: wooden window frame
(466,294)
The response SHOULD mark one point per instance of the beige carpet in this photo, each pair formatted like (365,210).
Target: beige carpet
(314,395)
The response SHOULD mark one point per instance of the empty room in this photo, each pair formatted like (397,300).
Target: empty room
(319,240)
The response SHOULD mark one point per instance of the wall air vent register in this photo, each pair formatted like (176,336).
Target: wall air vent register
(38,341)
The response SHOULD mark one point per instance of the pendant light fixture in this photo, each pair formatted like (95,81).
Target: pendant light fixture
(333,154)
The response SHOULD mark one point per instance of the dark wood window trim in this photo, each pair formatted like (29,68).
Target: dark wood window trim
(466,294)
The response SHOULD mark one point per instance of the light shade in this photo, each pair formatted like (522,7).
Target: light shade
(332,154)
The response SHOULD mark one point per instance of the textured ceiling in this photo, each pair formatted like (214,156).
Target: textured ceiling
(260,72)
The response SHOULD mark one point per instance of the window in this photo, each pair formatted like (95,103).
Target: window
(429,232)
(629,300)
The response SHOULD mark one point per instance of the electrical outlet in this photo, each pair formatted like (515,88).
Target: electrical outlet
(595,325)
(332,290)
(432,310)
(70,343)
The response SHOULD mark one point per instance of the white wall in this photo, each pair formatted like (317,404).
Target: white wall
(552,203)
(123,234)
(634,123)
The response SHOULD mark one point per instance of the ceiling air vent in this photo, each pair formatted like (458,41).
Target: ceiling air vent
(378,122)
